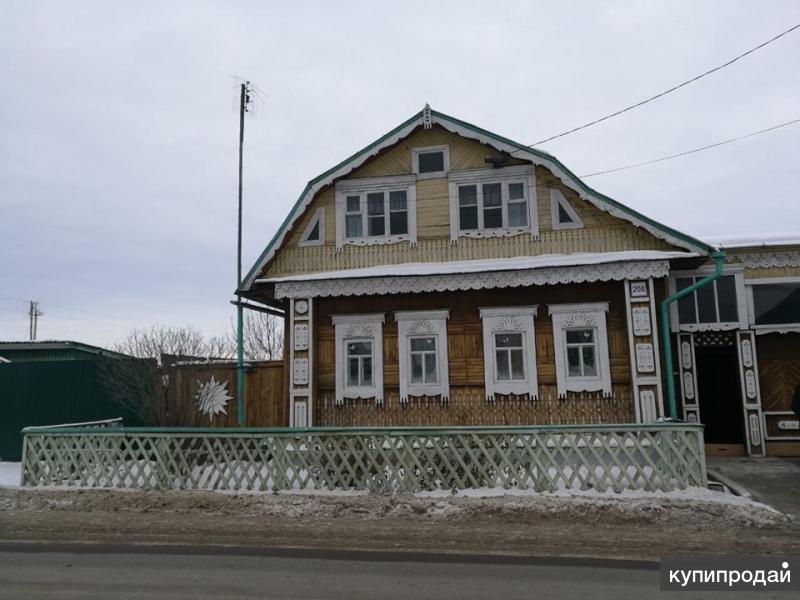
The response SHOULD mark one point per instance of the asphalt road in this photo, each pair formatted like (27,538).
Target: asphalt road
(44,571)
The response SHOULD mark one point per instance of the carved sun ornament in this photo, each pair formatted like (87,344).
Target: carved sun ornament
(212,397)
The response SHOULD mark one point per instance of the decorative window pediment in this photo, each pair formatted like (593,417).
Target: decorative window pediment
(581,345)
(562,212)
(422,346)
(493,202)
(359,356)
(509,351)
(376,210)
(314,233)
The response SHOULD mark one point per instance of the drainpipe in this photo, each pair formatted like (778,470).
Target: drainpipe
(239,364)
(719,259)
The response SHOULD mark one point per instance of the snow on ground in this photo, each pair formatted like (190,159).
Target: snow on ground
(9,474)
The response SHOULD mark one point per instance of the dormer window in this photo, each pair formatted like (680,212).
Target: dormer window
(380,210)
(493,202)
(430,161)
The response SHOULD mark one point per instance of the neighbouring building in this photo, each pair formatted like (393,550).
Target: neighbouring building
(445,275)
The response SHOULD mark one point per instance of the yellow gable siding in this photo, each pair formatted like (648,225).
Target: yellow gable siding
(601,231)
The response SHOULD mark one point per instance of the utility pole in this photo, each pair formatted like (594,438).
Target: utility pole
(33,315)
(244,103)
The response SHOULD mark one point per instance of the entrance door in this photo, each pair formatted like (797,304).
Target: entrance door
(720,394)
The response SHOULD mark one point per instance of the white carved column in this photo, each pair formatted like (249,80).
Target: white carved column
(643,348)
(751,393)
(688,377)
(301,361)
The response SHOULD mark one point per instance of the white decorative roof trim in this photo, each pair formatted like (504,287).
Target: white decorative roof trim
(754,240)
(766,260)
(424,118)
(370,286)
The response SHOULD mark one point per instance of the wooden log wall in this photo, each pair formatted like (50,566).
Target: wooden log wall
(465,358)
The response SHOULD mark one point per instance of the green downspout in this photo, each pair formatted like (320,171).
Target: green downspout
(239,364)
(719,259)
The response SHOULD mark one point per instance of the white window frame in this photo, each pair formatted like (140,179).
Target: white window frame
(318,218)
(509,319)
(524,174)
(348,328)
(362,187)
(423,323)
(557,198)
(581,316)
(415,152)
(751,312)
(741,301)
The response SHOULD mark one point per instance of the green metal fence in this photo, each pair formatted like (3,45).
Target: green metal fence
(600,457)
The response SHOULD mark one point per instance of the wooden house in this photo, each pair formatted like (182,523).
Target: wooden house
(445,275)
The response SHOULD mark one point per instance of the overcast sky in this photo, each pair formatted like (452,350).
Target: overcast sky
(118,127)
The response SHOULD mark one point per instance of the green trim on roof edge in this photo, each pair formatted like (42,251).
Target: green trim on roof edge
(528,149)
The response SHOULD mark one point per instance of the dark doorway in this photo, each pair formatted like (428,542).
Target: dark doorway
(720,394)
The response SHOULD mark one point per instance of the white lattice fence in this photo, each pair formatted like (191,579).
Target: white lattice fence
(601,457)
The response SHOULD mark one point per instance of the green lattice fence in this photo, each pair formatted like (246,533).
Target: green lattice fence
(601,457)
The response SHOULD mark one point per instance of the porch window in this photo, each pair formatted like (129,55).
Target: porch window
(378,210)
(492,202)
(422,347)
(715,306)
(509,351)
(775,304)
(581,347)
(359,356)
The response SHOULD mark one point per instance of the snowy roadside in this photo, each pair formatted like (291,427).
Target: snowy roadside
(10,474)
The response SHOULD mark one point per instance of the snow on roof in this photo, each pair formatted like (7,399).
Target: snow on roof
(493,264)
(754,240)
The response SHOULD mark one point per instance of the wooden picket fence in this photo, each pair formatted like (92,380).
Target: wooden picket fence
(661,456)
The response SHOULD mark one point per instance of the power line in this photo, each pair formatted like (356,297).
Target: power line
(668,91)
(671,156)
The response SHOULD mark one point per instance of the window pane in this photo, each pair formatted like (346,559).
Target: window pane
(352,371)
(359,348)
(398,223)
(580,336)
(492,217)
(516,191)
(502,365)
(431,162)
(377,225)
(353,204)
(430,367)
(375,203)
(416,368)
(508,340)
(353,226)
(589,366)
(366,370)
(706,305)
(518,214)
(686,309)
(776,303)
(563,215)
(314,233)
(467,195)
(726,298)
(491,194)
(397,200)
(423,344)
(517,367)
(468,218)
(574,362)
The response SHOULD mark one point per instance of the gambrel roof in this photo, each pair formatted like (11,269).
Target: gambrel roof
(428,117)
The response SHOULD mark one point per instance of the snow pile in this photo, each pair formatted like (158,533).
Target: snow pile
(9,474)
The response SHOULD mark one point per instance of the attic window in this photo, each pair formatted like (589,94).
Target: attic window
(430,161)
(562,212)
(314,233)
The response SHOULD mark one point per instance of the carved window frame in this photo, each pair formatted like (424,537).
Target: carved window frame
(362,187)
(524,174)
(428,323)
(568,317)
(349,328)
(509,319)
